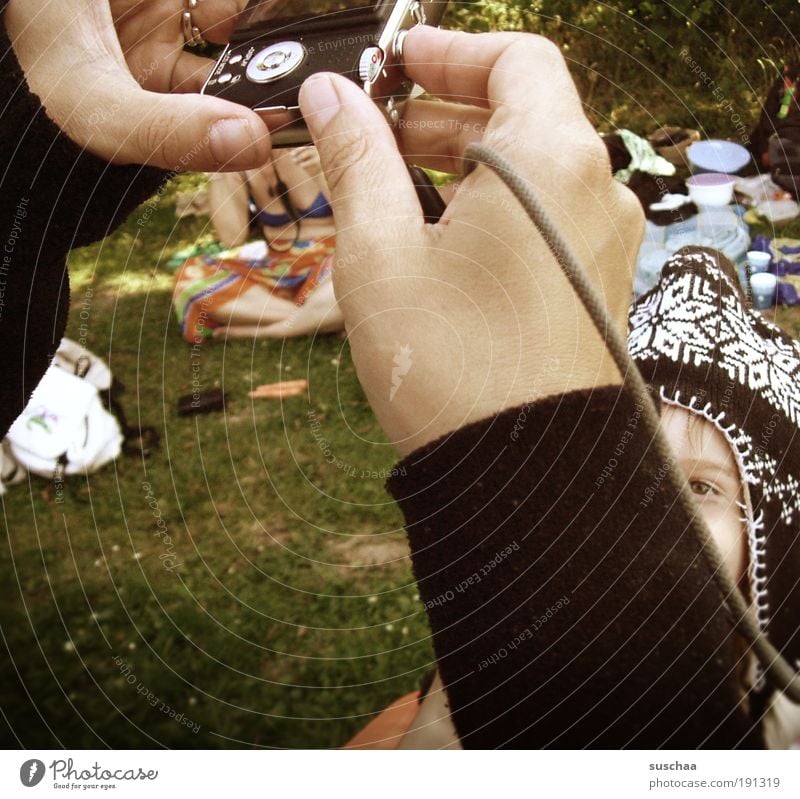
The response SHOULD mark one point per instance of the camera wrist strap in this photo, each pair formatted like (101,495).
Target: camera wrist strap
(775,667)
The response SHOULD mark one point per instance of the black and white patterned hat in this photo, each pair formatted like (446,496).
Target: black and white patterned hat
(699,346)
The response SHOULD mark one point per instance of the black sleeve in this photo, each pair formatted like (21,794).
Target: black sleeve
(569,599)
(53,197)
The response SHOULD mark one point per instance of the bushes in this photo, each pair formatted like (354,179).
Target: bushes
(703,64)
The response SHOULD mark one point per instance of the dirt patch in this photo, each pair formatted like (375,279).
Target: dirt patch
(371,551)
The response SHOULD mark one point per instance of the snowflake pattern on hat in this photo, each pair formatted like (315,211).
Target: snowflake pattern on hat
(696,342)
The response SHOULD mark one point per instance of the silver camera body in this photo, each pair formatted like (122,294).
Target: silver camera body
(277,44)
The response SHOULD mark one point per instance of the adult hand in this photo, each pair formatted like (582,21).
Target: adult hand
(453,322)
(103,68)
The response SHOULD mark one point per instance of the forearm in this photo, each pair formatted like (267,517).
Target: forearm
(228,201)
(567,593)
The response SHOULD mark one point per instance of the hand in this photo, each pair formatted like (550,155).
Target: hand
(103,70)
(451,323)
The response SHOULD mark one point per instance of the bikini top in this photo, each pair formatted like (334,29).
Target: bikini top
(319,209)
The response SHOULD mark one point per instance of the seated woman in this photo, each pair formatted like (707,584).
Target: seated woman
(277,285)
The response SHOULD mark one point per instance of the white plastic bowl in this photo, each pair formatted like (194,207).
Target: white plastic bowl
(711,188)
(717,155)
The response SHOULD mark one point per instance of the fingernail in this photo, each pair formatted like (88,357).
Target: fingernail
(230,139)
(320,102)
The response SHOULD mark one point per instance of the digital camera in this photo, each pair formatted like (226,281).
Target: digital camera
(277,44)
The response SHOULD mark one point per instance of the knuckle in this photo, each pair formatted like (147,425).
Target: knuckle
(527,52)
(545,49)
(531,48)
(346,150)
(153,139)
(592,163)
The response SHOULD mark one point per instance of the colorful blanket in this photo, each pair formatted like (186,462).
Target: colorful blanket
(206,282)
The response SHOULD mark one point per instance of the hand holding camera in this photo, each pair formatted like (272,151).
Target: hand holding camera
(103,71)
(452,322)
(278,44)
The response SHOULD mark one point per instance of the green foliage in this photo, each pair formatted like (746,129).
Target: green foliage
(625,55)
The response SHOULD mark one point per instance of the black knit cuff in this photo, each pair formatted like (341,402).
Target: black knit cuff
(568,596)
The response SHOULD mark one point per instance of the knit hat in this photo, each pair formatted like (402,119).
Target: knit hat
(699,346)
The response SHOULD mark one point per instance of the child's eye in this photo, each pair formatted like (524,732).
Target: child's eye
(701,488)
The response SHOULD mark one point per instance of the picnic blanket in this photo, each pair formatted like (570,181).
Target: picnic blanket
(720,228)
(206,282)
(785,264)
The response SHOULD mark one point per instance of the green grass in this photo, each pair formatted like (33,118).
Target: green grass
(293,614)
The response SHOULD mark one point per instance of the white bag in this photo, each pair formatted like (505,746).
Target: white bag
(65,429)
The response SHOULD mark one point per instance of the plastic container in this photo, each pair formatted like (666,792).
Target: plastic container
(758,260)
(778,210)
(711,189)
(716,155)
(764,286)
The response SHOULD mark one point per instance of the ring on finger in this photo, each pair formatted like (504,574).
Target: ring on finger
(191,33)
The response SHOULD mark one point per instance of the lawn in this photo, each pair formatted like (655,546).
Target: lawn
(280,612)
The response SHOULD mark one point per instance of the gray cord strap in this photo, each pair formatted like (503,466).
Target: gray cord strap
(775,667)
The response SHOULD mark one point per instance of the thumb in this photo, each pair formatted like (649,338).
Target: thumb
(366,174)
(179,132)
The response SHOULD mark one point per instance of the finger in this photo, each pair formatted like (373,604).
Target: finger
(190,73)
(308,158)
(216,19)
(181,132)
(434,135)
(491,69)
(368,179)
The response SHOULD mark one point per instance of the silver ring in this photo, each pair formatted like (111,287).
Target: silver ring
(191,33)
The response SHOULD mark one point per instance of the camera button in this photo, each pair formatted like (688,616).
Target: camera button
(275,61)
(370,64)
(226,77)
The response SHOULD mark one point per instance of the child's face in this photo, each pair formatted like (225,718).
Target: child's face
(707,462)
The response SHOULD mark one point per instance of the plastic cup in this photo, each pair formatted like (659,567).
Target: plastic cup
(759,261)
(764,286)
